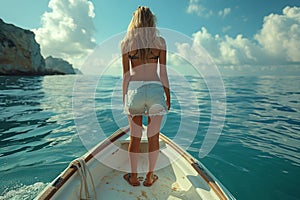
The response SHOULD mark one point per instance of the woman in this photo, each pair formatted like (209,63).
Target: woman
(143,88)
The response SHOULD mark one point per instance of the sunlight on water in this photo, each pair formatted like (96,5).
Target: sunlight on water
(259,146)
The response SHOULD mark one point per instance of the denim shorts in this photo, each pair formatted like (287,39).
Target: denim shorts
(145,98)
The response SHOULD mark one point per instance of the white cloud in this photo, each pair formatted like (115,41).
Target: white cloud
(274,47)
(226,28)
(67,31)
(280,35)
(225,12)
(227,50)
(277,43)
(194,7)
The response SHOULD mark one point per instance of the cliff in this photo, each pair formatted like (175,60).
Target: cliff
(58,66)
(20,54)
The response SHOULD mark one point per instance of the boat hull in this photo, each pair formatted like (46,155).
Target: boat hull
(99,174)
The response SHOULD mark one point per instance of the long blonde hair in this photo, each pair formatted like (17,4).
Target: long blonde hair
(141,34)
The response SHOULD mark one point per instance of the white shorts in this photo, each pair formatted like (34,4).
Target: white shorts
(145,98)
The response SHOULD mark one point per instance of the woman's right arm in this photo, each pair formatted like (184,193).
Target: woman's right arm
(163,72)
(126,74)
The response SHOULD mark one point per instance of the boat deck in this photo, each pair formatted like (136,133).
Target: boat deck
(180,176)
(177,180)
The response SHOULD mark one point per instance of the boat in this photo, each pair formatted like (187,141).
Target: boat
(99,174)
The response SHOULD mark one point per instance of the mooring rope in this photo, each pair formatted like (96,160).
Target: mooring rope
(86,193)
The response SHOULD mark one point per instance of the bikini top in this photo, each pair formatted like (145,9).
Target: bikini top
(135,56)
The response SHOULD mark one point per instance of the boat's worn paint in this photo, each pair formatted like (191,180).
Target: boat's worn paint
(183,178)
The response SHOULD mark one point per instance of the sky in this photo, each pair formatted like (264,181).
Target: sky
(243,37)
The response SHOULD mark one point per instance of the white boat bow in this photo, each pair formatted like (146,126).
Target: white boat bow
(99,174)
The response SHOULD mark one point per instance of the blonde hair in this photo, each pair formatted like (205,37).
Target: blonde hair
(141,34)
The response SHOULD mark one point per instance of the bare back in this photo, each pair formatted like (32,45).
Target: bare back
(145,71)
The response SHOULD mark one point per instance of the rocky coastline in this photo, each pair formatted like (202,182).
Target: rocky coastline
(20,55)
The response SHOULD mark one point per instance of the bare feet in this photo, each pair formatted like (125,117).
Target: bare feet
(150,179)
(131,179)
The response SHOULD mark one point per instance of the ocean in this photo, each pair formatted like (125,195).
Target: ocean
(257,156)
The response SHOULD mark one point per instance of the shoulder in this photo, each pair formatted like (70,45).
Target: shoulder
(162,42)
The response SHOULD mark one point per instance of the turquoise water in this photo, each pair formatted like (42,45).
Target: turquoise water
(256,157)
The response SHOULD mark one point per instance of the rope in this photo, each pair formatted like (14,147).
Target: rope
(85,175)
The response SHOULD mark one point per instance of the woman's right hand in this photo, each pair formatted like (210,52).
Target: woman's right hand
(168,104)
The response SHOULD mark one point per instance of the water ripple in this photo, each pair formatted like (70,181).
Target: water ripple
(38,136)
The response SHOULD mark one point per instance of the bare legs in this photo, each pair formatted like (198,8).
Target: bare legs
(153,145)
(153,129)
(135,124)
